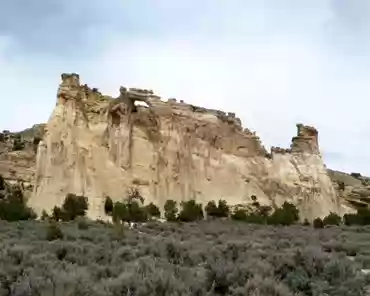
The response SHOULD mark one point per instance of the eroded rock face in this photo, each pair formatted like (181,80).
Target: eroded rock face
(18,156)
(99,146)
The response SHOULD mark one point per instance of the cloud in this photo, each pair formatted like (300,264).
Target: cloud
(273,63)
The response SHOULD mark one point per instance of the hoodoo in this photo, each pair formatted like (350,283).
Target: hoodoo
(99,146)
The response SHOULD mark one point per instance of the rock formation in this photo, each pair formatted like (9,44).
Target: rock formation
(18,156)
(98,146)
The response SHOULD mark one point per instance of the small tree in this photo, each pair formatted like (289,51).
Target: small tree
(211,209)
(220,211)
(318,223)
(363,215)
(239,215)
(351,219)
(134,194)
(170,210)
(108,206)
(13,207)
(255,218)
(286,215)
(332,219)
(57,214)
(120,212)
(191,211)
(74,206)
(44,215)
(306,222)
(2,183)
(153,211)
(136,212)
(223,209)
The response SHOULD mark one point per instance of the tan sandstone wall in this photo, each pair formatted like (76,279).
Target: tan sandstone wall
(98,146)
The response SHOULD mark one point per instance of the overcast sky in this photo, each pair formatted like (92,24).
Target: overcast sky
(274,63)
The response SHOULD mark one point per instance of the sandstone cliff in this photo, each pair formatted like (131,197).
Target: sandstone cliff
(18,156)
(98,146)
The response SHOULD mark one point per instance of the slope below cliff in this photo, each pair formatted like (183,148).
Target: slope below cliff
(98,146)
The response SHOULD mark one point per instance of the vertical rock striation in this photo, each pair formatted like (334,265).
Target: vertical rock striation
(99,146)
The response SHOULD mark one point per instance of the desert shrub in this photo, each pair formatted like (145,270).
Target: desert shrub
(351,219)
(44,215)
(356,175)
(74,206)
(363,215)
(204,258)
(239,214)
(131,209)
(2,183)
(54,232)
(332,219)
(136,212)
(170,210)
(82,224)
(57,214)
(153,211)
(108,206)
(287,214)
(255,218)
(120,212)
(318,223)
(190,211)
(211,209)
(13,207)
(221,210)
(306,222)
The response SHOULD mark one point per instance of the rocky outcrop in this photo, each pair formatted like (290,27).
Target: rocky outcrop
(353,190)
(98,146)
(18,156)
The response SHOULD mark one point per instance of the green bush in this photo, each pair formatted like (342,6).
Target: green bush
(108,206)
(57,214)
(191,211)
(74,206)
(18,145)
(363,216)
(44,215)
(239,215)
(220,211)
(211,209)
(136,212)
(332,219)
(351,219)
(153,211)
(14,208)
(2,183)
(131,209)
(318,223)
(287,214)
(170,210)
(120,212)
(255,218)
(54,232)
(306,222)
